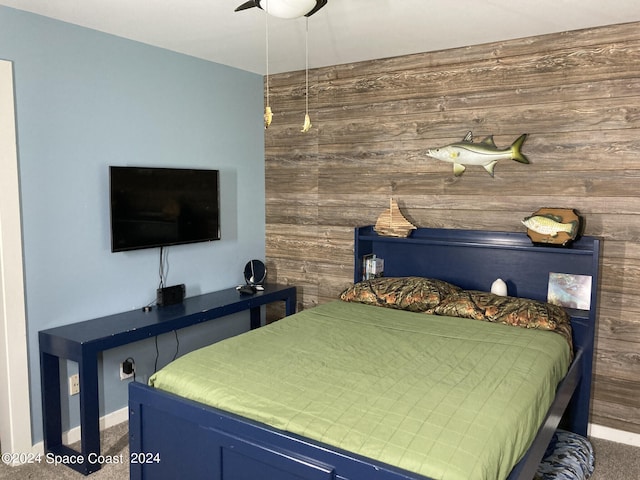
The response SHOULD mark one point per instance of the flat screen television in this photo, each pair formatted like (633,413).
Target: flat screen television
(157,207)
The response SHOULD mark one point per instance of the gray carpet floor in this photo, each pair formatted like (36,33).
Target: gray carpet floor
(614,461)
(115,443)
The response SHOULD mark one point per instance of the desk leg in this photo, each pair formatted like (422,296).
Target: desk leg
(51,405)
(290,304)
(89,411)
(254,315)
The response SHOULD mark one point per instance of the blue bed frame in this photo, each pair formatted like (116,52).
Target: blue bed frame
(175,438)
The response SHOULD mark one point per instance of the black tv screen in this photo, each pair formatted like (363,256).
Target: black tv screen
(156,207)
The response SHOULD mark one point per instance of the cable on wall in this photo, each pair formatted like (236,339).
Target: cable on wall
(163,269)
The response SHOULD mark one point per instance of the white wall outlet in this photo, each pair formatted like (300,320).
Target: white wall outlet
(74,384)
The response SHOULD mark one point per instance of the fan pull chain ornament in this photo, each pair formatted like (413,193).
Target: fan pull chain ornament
(268,116)
(306,126)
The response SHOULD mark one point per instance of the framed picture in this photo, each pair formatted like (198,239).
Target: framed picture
(568,290)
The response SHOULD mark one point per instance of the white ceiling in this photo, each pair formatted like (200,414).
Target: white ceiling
(344,31)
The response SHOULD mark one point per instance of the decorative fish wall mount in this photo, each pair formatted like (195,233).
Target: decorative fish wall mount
(484,153)
(553,226)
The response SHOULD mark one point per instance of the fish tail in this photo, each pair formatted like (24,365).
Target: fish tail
(574,228)
(516,154)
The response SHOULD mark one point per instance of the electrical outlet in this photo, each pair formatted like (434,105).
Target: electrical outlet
(74,384)
(127,369)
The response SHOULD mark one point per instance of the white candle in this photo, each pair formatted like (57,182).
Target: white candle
(499,287)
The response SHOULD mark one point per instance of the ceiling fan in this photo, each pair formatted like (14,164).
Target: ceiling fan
(285,8)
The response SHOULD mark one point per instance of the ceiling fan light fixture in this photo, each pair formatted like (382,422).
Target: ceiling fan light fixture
(287,8)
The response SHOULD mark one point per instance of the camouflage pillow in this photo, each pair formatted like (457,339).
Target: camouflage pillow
(569,456)
(416,294)
(521,312)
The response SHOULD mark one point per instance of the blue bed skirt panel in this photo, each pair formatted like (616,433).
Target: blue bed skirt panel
(568,457)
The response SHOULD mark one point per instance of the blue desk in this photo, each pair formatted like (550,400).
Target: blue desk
(82,342)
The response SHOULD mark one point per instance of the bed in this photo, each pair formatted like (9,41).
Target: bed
(174,436)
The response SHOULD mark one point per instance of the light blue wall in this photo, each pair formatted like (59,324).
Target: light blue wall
(86,100)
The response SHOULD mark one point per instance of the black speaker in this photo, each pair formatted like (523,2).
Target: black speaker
(170,295)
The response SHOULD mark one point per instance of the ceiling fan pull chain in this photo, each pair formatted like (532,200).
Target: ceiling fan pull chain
(268,114)
(307,121)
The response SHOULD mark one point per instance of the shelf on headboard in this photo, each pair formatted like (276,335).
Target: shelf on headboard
(477,238)
(473,259)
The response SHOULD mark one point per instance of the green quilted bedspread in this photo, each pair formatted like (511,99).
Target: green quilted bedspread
(444,397)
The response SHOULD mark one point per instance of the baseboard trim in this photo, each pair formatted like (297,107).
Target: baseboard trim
(109,420)
(614,435)
(73,435)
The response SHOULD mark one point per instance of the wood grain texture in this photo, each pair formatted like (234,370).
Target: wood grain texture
(577,95)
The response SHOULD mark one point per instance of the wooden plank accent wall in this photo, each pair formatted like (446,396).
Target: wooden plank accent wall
(576,94)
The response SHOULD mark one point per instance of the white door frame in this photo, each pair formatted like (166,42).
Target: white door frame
(15,409)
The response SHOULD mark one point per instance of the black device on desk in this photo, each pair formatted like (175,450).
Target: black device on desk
(247,289)
(170,295)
